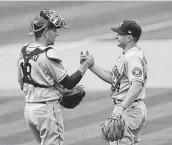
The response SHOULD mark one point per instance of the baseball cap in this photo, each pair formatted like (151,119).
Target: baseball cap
(128,27)
(46,18)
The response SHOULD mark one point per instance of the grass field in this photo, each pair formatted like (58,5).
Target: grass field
(82,125)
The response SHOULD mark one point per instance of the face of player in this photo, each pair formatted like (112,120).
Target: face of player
(122,40)
(51,36)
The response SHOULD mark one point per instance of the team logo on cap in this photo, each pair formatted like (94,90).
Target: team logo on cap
(121,24)
(129,32)
(137,72)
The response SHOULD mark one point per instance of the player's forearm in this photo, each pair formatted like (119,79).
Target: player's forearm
(21,86)
(105,75)
(132,94)
(74,79)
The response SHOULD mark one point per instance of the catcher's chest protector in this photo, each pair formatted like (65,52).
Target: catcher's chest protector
(26,66)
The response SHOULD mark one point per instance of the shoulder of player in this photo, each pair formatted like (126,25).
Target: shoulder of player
(138,54)
(31,46)
(52,53)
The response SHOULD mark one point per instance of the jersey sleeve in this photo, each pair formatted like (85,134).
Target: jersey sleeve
(112,72)
(20,73)
(56,70)
(135,70)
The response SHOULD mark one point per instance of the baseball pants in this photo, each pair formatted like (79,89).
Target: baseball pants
(45,122)
(135,117)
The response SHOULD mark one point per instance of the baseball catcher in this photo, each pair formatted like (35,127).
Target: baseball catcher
(39,70)
(113,128)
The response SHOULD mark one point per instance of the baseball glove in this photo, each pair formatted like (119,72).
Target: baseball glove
(113,129)
(72,98)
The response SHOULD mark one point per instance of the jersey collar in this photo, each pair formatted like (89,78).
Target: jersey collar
(132,49)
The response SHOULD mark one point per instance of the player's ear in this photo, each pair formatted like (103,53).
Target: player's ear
(129,38)
(45,33)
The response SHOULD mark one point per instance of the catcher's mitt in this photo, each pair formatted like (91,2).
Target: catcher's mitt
(71,98)
(113,129)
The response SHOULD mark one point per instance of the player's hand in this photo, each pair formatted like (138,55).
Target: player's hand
(83,56)
(117,111)
(86,61)
(89,59)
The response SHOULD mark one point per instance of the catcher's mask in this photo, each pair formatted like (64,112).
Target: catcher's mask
(46,18)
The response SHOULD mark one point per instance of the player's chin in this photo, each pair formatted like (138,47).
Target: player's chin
(118,44)
(52,43)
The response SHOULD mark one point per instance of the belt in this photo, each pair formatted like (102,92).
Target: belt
(46,102)
(138,100)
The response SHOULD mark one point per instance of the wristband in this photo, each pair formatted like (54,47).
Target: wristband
(83,68)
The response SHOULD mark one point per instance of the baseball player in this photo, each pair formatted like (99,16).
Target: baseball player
(41,74)
(128,80)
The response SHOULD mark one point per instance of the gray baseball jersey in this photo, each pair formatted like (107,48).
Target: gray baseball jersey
(43,71)
(131,66)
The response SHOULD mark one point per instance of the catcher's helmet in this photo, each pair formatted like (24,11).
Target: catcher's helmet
(46,18)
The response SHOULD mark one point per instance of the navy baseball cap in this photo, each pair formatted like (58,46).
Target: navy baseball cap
(128,27)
